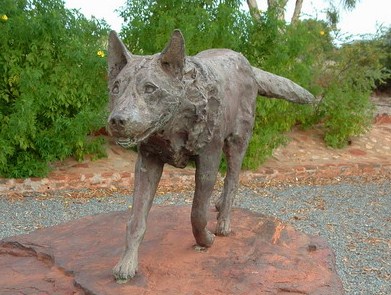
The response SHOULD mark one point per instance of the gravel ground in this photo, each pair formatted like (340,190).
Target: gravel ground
(354,218)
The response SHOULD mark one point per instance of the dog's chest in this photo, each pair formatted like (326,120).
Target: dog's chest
(170,150)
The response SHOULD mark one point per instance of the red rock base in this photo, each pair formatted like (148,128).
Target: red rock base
(261,256)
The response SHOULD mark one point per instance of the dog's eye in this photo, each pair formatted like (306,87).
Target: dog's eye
(115,89)
(149,88)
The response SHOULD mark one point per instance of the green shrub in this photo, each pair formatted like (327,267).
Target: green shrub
(52,86)
(295,52)
(342,77)
(205,24)
(384,42)
(346,109)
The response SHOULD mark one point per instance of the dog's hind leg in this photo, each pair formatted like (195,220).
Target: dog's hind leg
(207,165)
(234,150)
(147,175)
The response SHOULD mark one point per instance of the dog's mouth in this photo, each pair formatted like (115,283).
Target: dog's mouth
(128,142)
(125,142)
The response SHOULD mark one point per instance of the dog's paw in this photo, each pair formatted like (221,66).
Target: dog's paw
(223,227)
(205,238)
(125,269)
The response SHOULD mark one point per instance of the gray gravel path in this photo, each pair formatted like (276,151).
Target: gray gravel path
(354,218)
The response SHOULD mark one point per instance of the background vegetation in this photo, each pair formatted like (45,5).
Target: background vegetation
(53,73)
(52,85)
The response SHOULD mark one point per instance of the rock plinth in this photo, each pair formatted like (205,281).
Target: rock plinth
(261,256)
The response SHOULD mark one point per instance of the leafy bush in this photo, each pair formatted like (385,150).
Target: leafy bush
(52,86)
(385,45)
(353,72)
(205,24)
(342,77)
(294,52)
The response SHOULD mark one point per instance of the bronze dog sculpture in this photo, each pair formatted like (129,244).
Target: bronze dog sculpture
(178,108)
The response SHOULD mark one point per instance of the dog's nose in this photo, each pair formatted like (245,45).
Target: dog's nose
(117,121)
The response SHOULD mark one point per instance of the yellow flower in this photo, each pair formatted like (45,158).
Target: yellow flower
(4,17)
(322,33)
(100,53)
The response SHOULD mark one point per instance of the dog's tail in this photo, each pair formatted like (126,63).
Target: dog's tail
(274,86)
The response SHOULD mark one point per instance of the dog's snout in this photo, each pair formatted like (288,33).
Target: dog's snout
(118,124)
(117,121)
(126,125)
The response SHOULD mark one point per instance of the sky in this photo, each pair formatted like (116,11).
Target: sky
(364,19)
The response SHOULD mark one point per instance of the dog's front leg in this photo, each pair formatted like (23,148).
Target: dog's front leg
(147,175)
(207,165)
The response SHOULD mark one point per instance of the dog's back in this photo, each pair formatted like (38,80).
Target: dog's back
(237,88)
(240,83)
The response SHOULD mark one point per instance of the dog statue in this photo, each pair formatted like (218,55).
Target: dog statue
(178,108)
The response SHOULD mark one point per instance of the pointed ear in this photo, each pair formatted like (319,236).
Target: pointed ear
(118,55)
(172,57)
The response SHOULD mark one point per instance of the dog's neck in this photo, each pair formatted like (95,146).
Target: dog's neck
(195,121)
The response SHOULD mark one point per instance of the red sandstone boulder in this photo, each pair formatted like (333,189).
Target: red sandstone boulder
(262,256)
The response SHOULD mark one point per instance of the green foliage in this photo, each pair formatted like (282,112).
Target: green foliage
(52,85)
(205,23)
(352,73)
(349,112)
(294,52)
(385,45)
(342,77)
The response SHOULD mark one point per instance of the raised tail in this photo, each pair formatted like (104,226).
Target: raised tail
(274,86)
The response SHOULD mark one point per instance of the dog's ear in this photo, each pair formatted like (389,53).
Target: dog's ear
(118,55)
(172,57)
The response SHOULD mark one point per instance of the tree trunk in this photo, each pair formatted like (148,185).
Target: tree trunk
(254,11)
(296,13)
(279,7)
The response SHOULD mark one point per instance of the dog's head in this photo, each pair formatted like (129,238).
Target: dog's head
(145,91)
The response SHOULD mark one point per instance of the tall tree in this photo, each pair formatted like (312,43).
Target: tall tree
(253,7)
(349,4)
(278,6)
(297,11)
